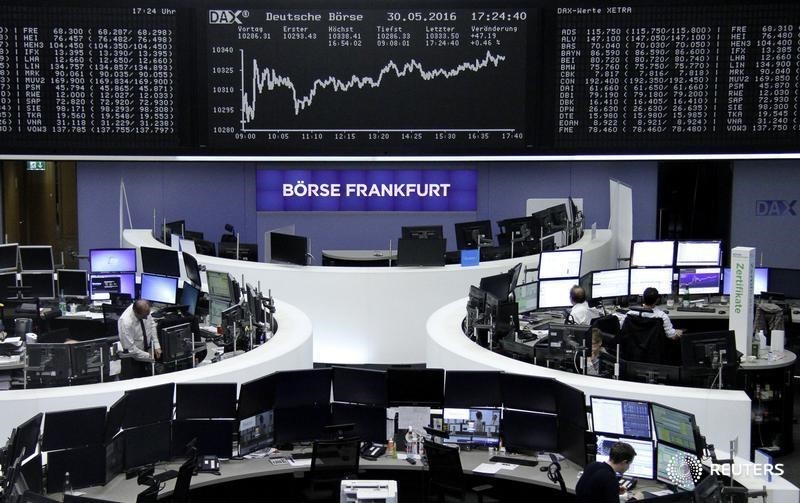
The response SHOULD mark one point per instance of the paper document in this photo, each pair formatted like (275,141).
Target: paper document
(301,462)
(487,468)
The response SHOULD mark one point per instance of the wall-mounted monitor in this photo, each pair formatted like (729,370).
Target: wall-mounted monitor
(73,282)
(40,285)
(760,280)
(162,289)
(560,264)
(700,280)
(470,234)
(555,292)
(36,258)
(8,257)
(160,261)
(652,253)
(659,278)
(112,260)
(288,248)
(610,283)
(698,253)
(101,286)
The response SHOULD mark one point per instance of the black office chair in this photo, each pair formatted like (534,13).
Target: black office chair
(331,462)
(111,314)
(642,339)
(446,476)
(149,495)
(181,492)
(57,336)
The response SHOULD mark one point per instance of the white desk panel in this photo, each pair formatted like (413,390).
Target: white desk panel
(289,349)
(375,314)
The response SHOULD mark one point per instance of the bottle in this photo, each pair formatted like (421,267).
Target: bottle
(409,441)
(763,350)
(390,449)
(754,345)
(67,484)
(62,302)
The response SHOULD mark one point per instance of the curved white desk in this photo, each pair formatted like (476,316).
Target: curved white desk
(374,314)
(291,348)
(721,414)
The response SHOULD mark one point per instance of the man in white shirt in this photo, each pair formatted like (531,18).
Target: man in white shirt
(650,299)
(137,334)
(580,313)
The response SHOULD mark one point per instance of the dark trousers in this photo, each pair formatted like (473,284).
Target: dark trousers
(132,369)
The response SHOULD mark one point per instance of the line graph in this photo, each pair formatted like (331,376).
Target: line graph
(269,78)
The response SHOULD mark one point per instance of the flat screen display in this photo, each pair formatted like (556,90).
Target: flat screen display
(621,417)
(760,280)
(40,283)
(112,260)
(699,280)
(642,466)
(103,285)
(610,283)
(555,292)
(659,278)
(560,264)
(219,284)
(8,257)
(473,426)
(162,289)
(675,466)
(73,283)
(36,258)
(652,253)
(160,261)
(674,427)
(527,296)
(699,253)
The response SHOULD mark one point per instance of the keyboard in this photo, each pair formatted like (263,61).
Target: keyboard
(513,461)
(693,309)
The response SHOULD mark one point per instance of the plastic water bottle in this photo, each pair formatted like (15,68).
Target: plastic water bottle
(67,484)
(62,302)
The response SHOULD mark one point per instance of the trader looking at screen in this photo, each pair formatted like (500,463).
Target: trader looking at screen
(650,299)
(581,313)
(137,334)
(598,483)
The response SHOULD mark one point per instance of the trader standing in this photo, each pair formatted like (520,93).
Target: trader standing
(598,483)
(137,334)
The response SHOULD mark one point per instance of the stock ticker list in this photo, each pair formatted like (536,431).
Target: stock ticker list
(712,76)
(87,77)
(367,80)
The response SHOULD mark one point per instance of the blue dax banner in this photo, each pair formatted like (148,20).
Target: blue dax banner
(366,190)
(775,208)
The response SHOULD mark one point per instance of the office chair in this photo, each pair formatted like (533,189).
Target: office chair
(57,336)
(149,495)
(446,476)
(642,339)
(181,492)
(331,462)
(111,314)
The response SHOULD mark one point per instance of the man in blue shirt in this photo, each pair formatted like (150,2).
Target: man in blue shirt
(598,483)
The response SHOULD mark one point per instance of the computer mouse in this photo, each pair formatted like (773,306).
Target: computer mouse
(666,311)
(722,311)
(795,312)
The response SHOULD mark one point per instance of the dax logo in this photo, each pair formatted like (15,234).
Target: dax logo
(775,208)
(684,470)
(227,16)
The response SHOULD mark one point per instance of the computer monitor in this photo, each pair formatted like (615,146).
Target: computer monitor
(177,342)
(215,309)
(212,438)
(676,467)
(362,386)
(472,426)
(288,248)
(8,283)
(525,228)
(529,431)
(571,405)
(652,373)
(786,281)
(8,257)
(470,234)
(560,264)
(162,289)
(101,286)
(256,396)
(50,362)
(86,467)
(572,442)
(643,464)
(204,247)
(189,297)
(176,227)
(192,269)
(699,280)
(674,427)
(104,260)
(659,278)
(300,424)
(709,349)
(219,284)
(760,280)
(114,418)
(36,258)
(472,388)
(73,428)
(205,400)
(422,232)
(148,405)
(610,283)
(73,282)
(256,432)
(369,423)
(145,445)
(40,285)
(652,253)
(699,253)
(621,417)
(527,296)
(300,388)
(421,252)
(526,392)
(26,438)
(498,285)
(247,251)
(415,387)
(89,358)
(555,292)
(160,261)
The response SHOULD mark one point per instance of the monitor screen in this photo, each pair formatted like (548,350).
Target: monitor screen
(674,427)
(699,253)
(527,228)
(529,393)
(659,278)
(786,281)
(8,257)
(300,388)
(192,269)
(256,396)
(148,405)
(160,261)
(642,466)
(473,426)
(256,433)
(246,251)
(676,467)
(555,292)
(422,232)
(8,283)
(219,284)
(114,418)
(205,400)
(288,248)
(215,309)
(101,286)
(498,285)
(73,283)
(363,386)
(177,341)
(609,283)
(421,252)
(571,403)
(112,260)
(162,289)
(760,280)
(421,387)
(529,431)
(470,234)
(148,444)
(189,297)
(621,417)
(708,350)
(176,227)
(89,358)
(572,442)
(472,388)
(369,423)
(652,253)
(560,264)
(700,281)
(73,428)
(527,296)
(40,283)
(212,438)
(36,258)
(301,424)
